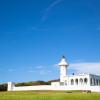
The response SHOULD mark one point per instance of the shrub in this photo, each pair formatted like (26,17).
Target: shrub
(3,87)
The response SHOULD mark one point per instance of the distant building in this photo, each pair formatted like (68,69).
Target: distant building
(75,80)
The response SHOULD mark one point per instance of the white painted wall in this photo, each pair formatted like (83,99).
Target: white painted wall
(10,86)
(49,87)
(55,83)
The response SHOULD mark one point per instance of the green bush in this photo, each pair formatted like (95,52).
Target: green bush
(33,83)
(3,87)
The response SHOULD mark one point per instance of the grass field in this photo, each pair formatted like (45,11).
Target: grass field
(48,95)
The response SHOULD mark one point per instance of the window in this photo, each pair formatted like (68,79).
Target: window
(94,81)
(91,81)
(97,82)
(76,81)
(65,82)
(72,82)
(61,83)
(85,80)
(81,81)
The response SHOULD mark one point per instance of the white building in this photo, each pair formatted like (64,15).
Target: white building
(67,82)
(75,80)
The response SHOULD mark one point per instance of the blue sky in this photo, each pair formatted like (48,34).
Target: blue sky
(34,34)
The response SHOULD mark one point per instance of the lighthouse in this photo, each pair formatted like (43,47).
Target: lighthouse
(63,68)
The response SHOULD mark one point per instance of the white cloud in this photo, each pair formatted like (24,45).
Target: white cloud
(86,67)
(45,15)
(35,69)
(79,67)
(53,4)
(39,67)
(42,72)
(49,8)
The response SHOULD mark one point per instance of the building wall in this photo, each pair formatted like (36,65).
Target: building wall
(49,87)
(81,79)
(55,83)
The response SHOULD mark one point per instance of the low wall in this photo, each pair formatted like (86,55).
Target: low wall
(49,87)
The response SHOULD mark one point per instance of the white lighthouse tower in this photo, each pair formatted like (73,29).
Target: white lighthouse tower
(63,69)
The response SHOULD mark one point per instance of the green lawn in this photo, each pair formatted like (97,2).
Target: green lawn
(48,95)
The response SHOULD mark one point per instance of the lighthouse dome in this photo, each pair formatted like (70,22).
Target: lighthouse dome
(63,62)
